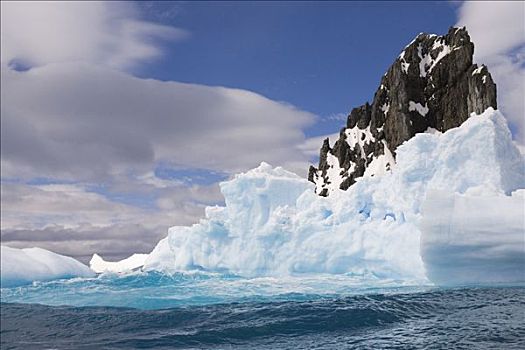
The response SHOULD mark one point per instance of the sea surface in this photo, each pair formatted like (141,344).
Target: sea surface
(214,311)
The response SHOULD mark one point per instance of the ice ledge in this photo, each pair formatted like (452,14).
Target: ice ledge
(129,264)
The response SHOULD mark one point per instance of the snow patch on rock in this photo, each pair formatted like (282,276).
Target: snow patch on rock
(382,164)
(427,63)
(358,137)
(385,108)
(422,110)
(477,70)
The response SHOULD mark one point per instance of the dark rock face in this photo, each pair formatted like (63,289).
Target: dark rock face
(432,84)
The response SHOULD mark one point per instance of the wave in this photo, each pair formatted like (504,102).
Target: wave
(156,290)
(468,318)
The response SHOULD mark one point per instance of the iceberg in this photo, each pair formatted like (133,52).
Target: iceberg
(24,266)
(131,263)
(274,224)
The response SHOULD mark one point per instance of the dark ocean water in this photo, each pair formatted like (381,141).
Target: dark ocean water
(469,318)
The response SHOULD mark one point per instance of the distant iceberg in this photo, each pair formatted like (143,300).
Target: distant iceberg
(274,224)
(134,262)
(23,266)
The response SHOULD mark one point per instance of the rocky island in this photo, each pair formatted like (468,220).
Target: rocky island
(432,86)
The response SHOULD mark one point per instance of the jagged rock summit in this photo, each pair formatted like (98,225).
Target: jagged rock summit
(432,86)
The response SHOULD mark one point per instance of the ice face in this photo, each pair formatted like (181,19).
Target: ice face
(23,266)
(274,224)
(476,237)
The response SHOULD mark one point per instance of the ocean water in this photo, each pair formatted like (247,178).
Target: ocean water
(214,311)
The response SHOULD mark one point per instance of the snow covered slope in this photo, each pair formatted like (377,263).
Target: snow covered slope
(23,266)
(273,222)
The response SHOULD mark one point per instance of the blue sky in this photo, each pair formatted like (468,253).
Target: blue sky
(119,119)
(322,57)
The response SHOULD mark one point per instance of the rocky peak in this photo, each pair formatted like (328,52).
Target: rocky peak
(432,85)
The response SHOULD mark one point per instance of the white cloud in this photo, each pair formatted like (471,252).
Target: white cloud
(70,219)
(339,117)
(106,33)
(77,115)
(497,29)
(496,26)
(83,122)
(312,146)
(73,116)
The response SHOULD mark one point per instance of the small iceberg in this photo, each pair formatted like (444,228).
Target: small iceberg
(129,264)
(23,266)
